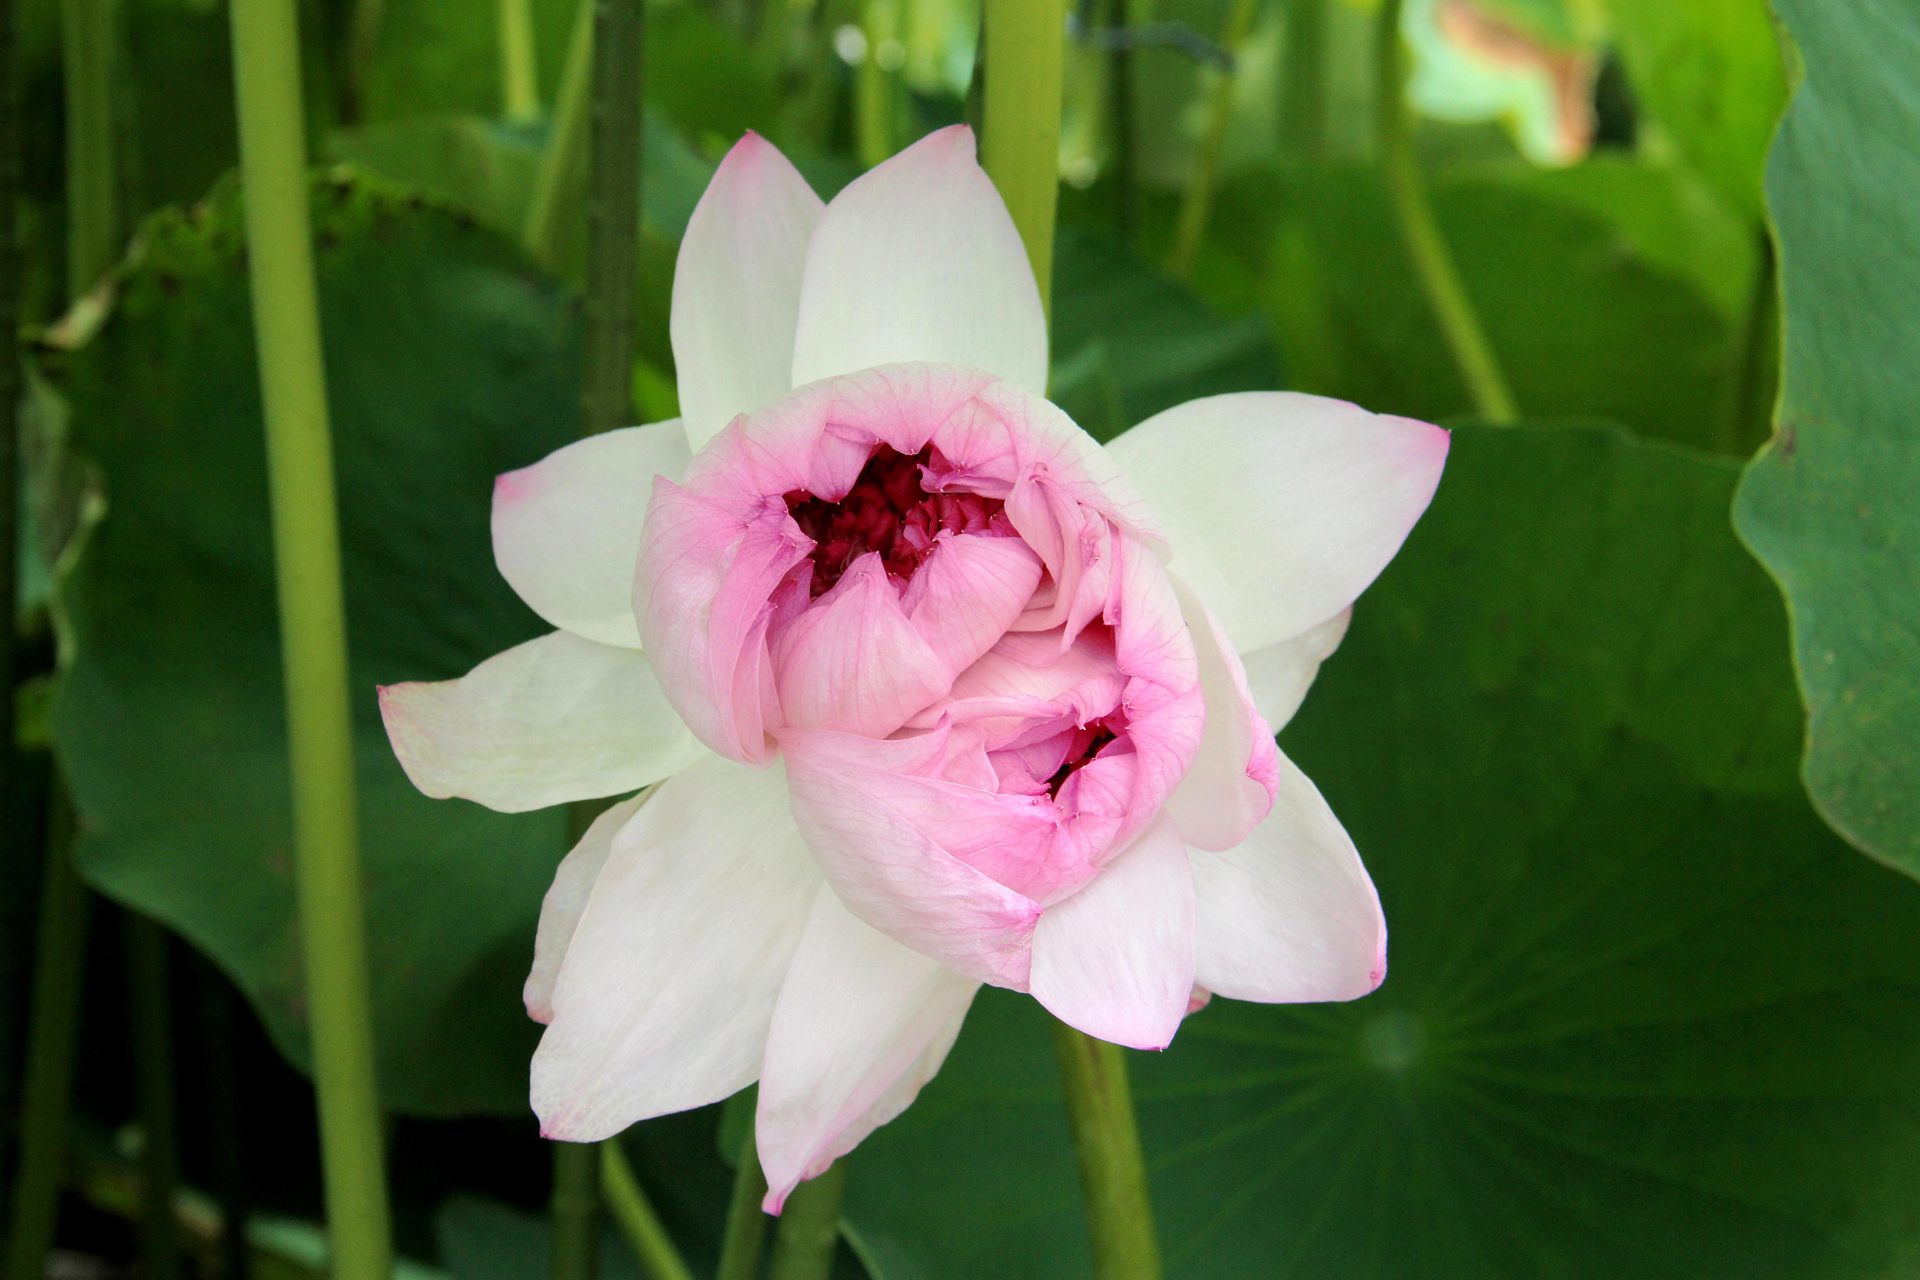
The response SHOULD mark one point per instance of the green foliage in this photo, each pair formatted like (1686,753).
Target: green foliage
(1586,318)
(1832,506)
(1645,1016)
(450,361)
(1707,75)
(1129,342)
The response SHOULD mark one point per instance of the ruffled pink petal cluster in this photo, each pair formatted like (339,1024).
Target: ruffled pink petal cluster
(927,688)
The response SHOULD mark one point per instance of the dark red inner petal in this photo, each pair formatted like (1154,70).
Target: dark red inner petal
(887,511)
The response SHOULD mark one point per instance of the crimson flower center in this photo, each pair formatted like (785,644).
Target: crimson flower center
(888,510)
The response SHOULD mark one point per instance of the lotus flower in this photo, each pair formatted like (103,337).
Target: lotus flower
(926,688)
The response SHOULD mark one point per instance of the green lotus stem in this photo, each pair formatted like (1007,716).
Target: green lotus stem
(313,637)
(363,34)
(874,84)
(575,1211)
(810,1228)
(1126,167)
(10,378)
(746,1229)
(149,989)
(1303,81)
(563,165)
(1025,49)
(519,67)
(636,1218)
(1196,202)
(87,49)
(59,972)
(1106,1139)
(613,216)
(1420,230)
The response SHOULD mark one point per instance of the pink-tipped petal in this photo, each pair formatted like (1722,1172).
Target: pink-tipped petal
(865,814)
(861,1024)
(1291,915)
(1281,507)
(555,719)
(968,593)
(668,987)
(919,260)
(566,530)
(1279,675)
(736,287)
(854,662)
(1116,960)
(1231,785)
(566,902)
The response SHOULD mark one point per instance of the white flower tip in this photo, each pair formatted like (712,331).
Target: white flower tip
(513,487)
(409,740)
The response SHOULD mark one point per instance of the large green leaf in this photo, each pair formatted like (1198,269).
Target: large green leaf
(1645,1017)
(1832,506)
(1586,315)
(450,361)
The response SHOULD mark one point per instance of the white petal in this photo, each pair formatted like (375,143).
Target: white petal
(566,530)
(1281,508)
(1229,787)
(736,287)
(666,993)
(552,720)
(565,902)
(917,260)
(862,1023)
(1116,958)
(1291,914)
(1280,674)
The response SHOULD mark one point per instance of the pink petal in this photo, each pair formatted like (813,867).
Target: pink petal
(967,593)
(1231,785)
(864,815)
(566,530)
(918,260)
(1116,959)
(555,719)
(706,574)
(1290,915)
(736,288)
(853,661)
(861,1024)
(668,986)
(566,902)
(1281,507)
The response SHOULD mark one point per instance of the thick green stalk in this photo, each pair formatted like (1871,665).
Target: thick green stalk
(810,1228)
(874,82)
(575,1211)
(1420,230)
(363,36)
(1303,81)
(1120,109)
(519,67)
(1196,202)
(150,991)
(313,635)
(93,182)
(1025,49)
(1113,1175)
(58,973)
(613,216)
(563,165)
(746,1230)
(638,1222)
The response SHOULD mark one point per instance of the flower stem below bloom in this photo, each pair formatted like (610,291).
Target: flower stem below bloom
(810,1228)
(1113,1175)
(1432,261)
(636,1218)
(746,1224)
(574,1213)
